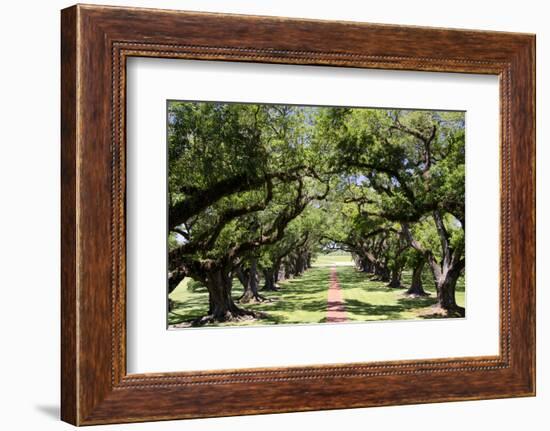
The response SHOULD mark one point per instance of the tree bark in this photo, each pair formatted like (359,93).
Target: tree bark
(358,261)
(417,289)
(287,269)
(382,272)
(446,287)
(395,281)
(269,282)
(242,276)
(249,280)
(299,265)
(277,271)
(271,276)
(222,308)
(367,266)
(446,272)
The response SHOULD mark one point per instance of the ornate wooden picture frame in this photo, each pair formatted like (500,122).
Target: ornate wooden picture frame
(96,41)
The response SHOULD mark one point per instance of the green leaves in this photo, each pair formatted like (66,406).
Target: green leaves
(260,178)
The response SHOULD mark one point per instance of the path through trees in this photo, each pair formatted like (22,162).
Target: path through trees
(336,308)
(258,192)
(305,299)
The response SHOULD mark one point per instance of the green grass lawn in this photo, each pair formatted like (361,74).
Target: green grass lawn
(300,300)
(372,300)
(333,259)
(304,299)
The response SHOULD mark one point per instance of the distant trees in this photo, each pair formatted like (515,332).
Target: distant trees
(238,175)
(407,167)
(256,190)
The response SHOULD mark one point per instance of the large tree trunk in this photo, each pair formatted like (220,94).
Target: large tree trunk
(271,276)
(445,276)
(363,263)
(367,266)
(417,289)
(446,284)
(446,272)
(242,276)
(299,265)
(358,261)
(382,272)
(250,283)
(222,308)
(287,269)
(269,279)
(395,281)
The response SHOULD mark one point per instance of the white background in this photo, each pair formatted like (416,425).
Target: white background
(29,221)
(151,348)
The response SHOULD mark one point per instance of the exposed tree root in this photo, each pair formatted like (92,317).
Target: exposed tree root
(252,299)
(436,311)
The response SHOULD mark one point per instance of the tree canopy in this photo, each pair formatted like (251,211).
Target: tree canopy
(263,188)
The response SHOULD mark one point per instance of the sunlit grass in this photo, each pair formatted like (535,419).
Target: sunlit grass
(366,299)
(333,259)
(372,300)
(299,300)
(303,300)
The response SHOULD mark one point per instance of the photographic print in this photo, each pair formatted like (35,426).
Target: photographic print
(280,195)
(295,214)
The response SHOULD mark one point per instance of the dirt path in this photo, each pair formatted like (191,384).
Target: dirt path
(336,310)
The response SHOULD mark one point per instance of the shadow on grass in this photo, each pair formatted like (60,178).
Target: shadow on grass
(367,299)
(428,280)
(361,308)
(297,296)
(351,278)
(304,299)
(417,302)
(299,300)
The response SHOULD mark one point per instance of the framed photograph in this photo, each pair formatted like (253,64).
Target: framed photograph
(265,215)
